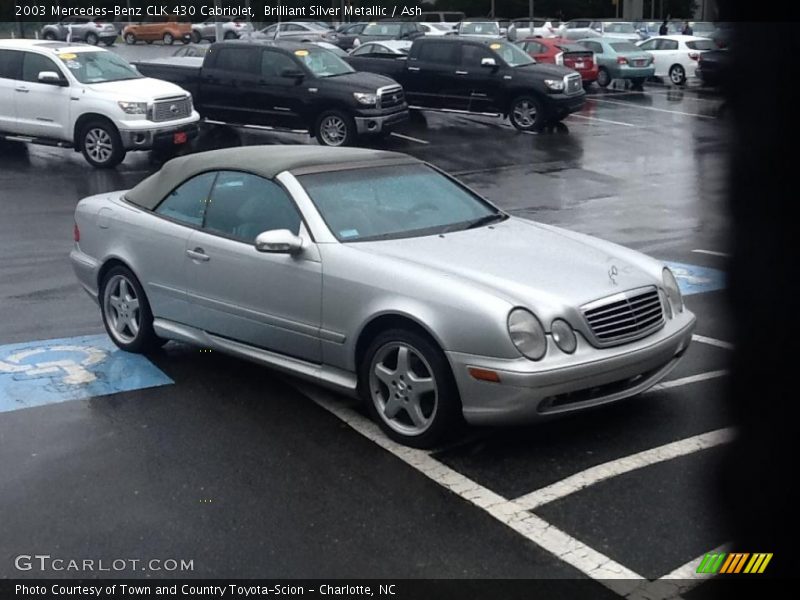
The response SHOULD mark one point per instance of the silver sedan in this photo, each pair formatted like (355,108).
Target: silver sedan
(380,276)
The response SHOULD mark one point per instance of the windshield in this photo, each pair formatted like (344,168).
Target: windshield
(98,67)
(479,29)
(441,26)
(322,63)
(625,47)
(382,29)
(375,203)
(613,27)
(513,55)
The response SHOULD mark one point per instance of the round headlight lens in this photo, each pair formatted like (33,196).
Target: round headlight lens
(527,333)
(564,336)
(673,291)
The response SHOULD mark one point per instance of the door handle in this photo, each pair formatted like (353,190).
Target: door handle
(462,73)
(198,254)
(24,90)
(413,68)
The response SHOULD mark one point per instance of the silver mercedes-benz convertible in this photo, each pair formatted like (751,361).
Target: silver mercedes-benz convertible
(378,275)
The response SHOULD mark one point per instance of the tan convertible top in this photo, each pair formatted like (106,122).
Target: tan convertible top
(266,161)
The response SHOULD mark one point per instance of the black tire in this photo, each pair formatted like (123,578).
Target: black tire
(677,74)
(519,113)
(587,85)
(101,144)
(50,36)
(335,128)
(603,77)
(168,39)
(426,362)
(109,43)
(148,42)
(91,39)
(638,82)
(144,339)
(229,35)
(185,40)
(130,39)
(196,37)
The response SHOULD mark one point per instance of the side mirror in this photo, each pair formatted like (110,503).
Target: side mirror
(51,78)
(488,62)
(279,241)
(292,74)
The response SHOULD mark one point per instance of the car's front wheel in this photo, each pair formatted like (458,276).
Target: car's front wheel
(526,113)
(229,35)
(126,312)
(168,39)
(101,144)
(196,37)
(92,39)
(50,36)
(408,386)
(335,128)
(130,39)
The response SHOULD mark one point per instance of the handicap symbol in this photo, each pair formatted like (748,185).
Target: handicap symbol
(33,363)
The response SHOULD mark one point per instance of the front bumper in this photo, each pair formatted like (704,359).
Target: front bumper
(378,123)
(151,135)
(529,390)
(563,105)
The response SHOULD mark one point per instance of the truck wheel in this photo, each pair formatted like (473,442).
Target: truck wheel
(168,39)
(335,128)
(101,144)
(130,39)
(92,39)
(526,113)
(196,37)
(603,77)
(50,36)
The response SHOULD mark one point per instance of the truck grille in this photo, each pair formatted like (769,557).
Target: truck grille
(172,109)
(574,84)
(624,317)
(390,97)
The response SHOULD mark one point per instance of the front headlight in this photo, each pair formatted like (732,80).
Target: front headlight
(368,99)
(133,108)
(527,333)
(563,336)
(557,85)
(673,291)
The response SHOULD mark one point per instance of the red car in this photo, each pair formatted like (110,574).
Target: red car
(563,52)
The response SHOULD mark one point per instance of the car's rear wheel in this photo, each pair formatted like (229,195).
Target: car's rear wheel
(168,39)
(229,35)
(92,39)
(126,312)
(196,37)
(638,82)
(677,74)
(526,113)
(603,77)
(101,144)
(130,39)
(408,386)
(109,42)
(335,128)
(50,36)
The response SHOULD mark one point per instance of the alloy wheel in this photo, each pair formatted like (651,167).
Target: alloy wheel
(333,130)
(524,113)
(99,145)
(121,309)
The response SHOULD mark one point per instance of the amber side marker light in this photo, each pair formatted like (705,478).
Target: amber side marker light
(484,375)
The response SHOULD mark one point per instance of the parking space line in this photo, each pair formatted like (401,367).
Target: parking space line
(572,551)
(409,138)
(712,342)
(712,253)
(664,385)
(664,110)
(614,468)
(688,95)
(575,115)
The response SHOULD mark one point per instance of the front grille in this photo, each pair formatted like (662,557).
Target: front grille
(172,109)
(574,84)
(624,317)
(390,97)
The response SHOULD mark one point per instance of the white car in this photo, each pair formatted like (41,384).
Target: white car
(89,99)
(436,28)
(676,56)
(385,47)
(521,29)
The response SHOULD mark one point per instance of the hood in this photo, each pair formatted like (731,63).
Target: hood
(143,90)
(360,81)
(528,264)
(543,70)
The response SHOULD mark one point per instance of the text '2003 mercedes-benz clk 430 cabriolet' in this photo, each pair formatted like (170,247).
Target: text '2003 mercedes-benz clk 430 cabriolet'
(378,275)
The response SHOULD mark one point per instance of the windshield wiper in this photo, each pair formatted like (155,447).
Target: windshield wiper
(485,220)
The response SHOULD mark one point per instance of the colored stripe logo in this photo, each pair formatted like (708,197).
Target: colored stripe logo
(734,562)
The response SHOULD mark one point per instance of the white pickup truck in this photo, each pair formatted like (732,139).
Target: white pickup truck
(86,98)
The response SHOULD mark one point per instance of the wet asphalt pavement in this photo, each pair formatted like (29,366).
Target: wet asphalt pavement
(233,467)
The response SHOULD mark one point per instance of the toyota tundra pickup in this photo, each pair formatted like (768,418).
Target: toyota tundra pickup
(480,75)
(287,86)
(89,99)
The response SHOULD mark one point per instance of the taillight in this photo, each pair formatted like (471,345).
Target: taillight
(76,234)
(621,60)
(694,55)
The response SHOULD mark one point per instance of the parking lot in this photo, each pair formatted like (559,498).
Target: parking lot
(252,474)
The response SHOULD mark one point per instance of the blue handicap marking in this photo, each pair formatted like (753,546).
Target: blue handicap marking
(51,371)
(696,280)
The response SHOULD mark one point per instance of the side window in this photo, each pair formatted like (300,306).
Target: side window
(649,45)
(440,53)
(10,64)
(243,205)
(471,55)
(363,49)
(187,201)
(271,30)
(274,63)
(535,48)
(33,64)
(593,46)
(668,45)
(237,60)
(294,27)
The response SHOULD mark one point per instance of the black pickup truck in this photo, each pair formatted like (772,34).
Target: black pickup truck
(480,75)
(285,85)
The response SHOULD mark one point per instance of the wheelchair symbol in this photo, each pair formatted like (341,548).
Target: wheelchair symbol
(30,363)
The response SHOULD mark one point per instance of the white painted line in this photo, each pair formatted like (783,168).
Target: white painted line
(712,342)
(665,385)
(614,468)
(664,110)
(408,137)
(712,253)
(572,551)
(574,115)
